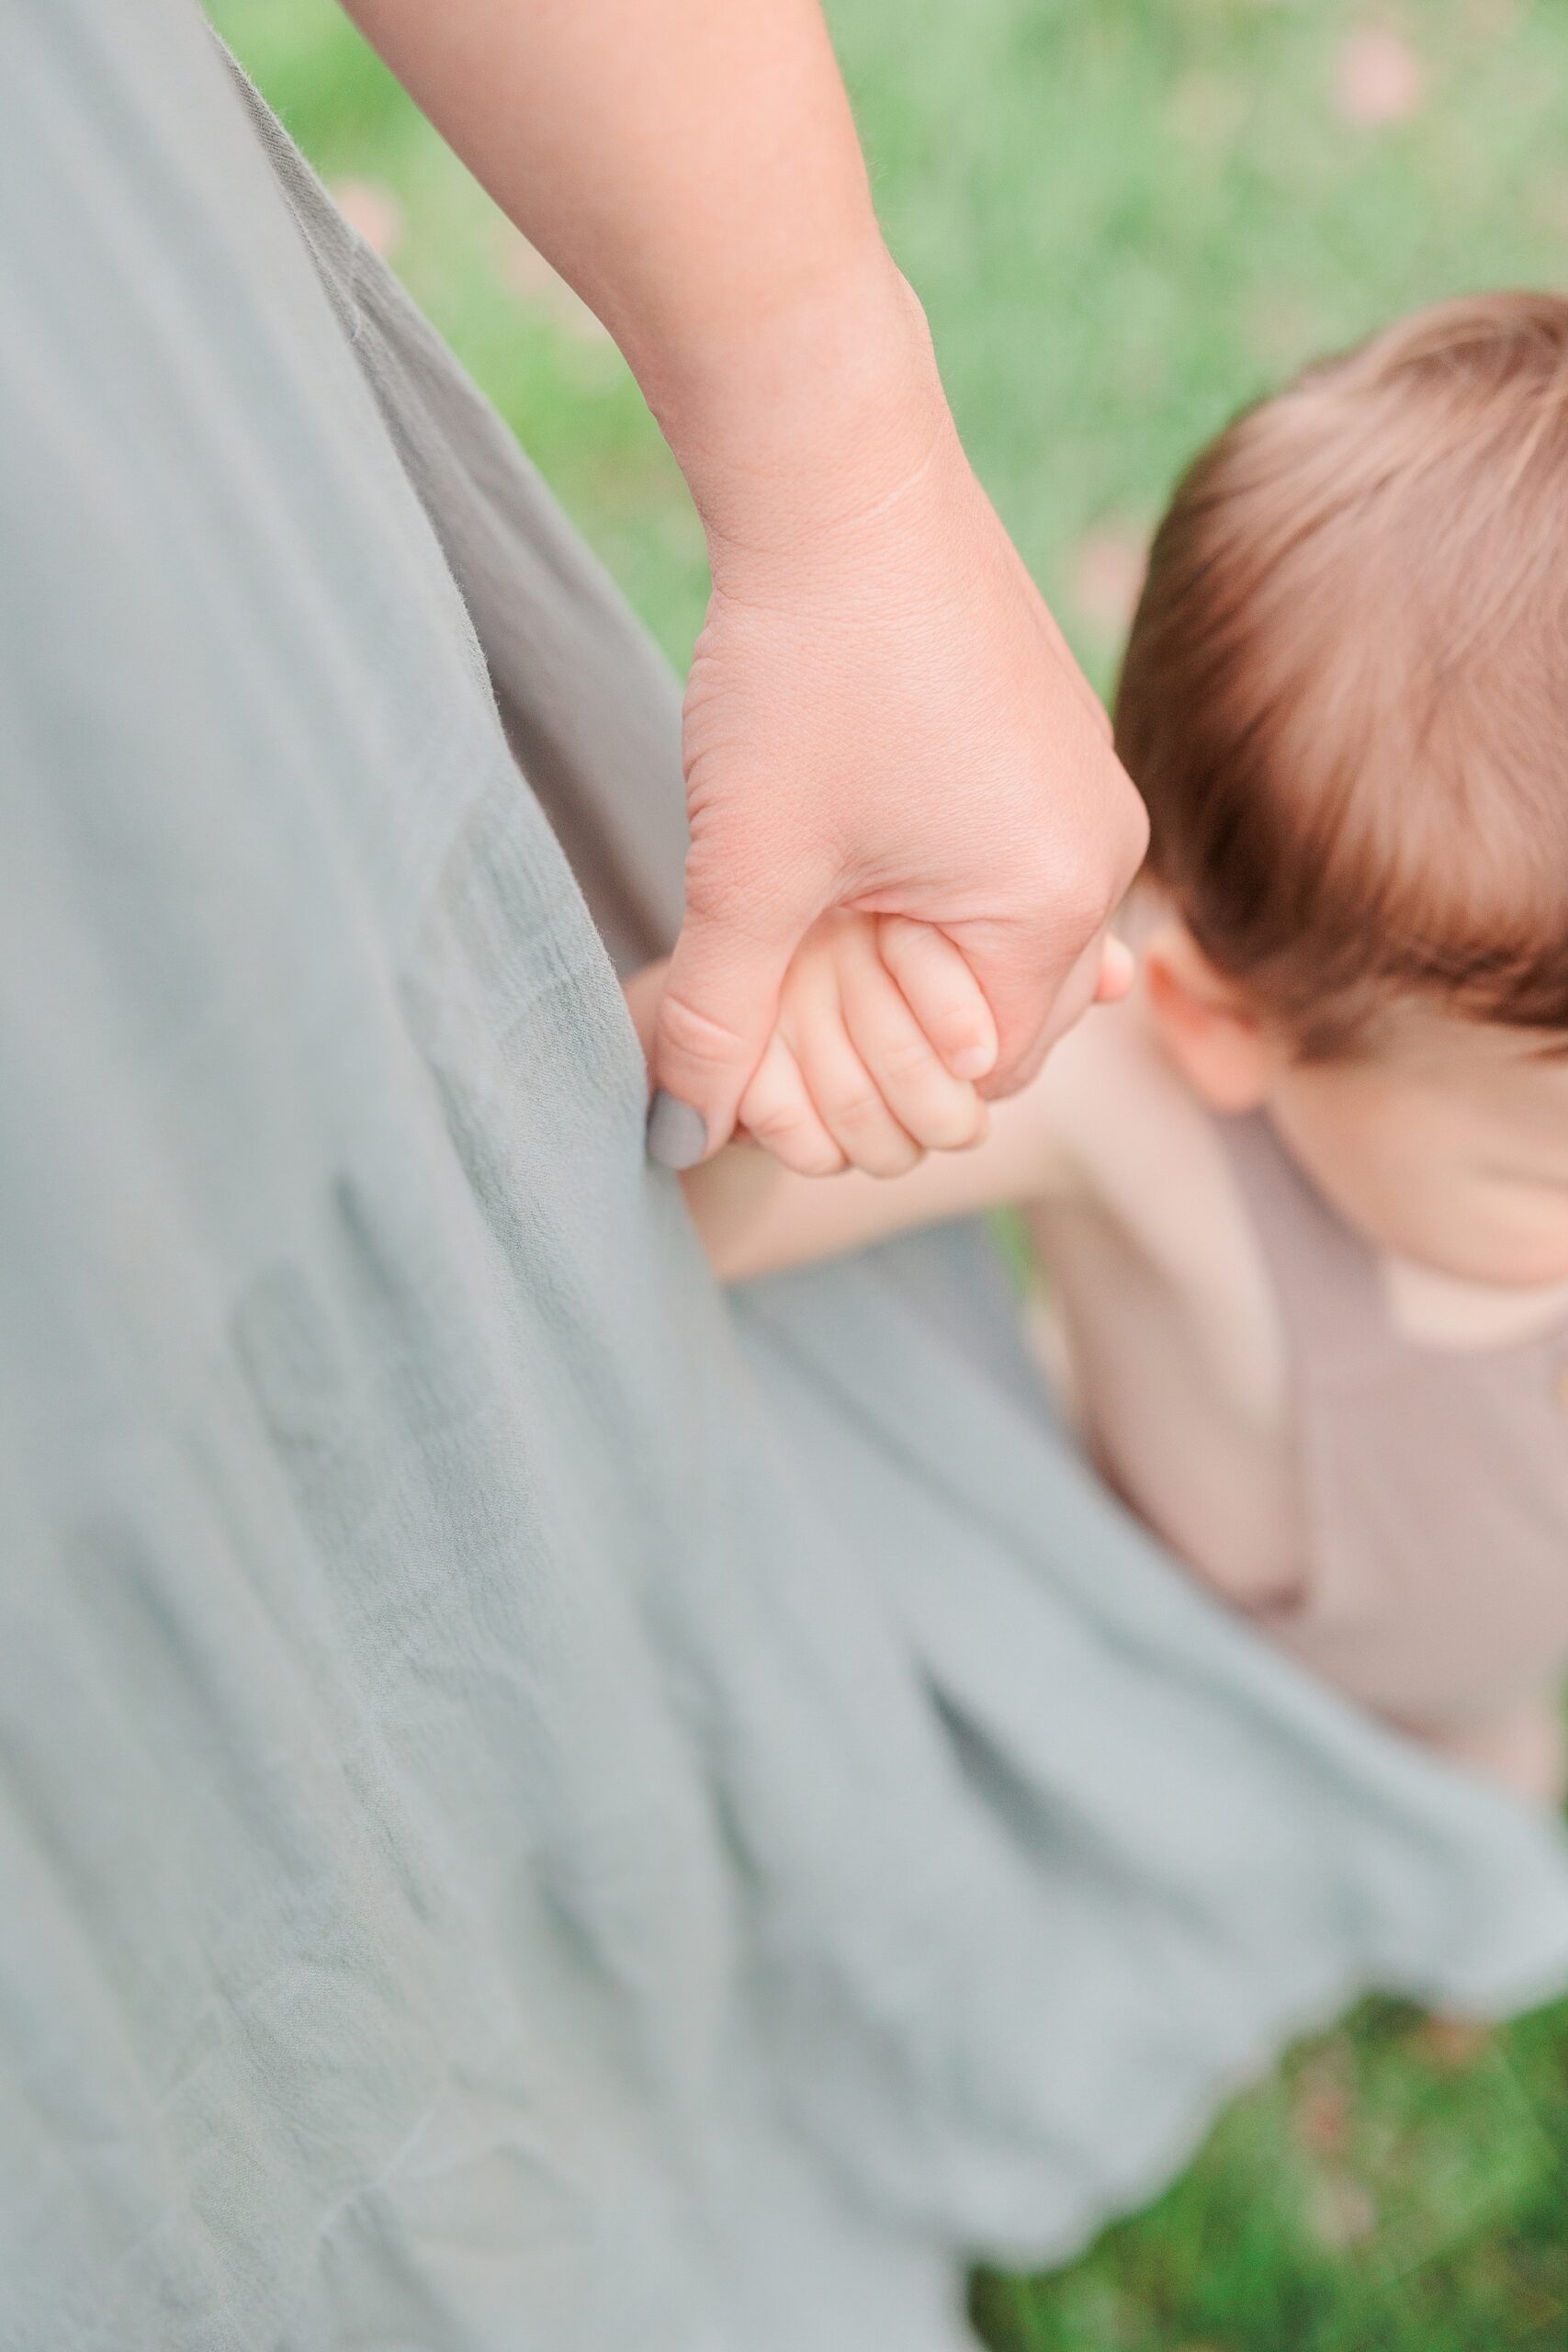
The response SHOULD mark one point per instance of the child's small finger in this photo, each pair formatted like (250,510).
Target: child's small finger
(941,992)
(848,1101)
(941,1112)
(1118,968)
(777,1110)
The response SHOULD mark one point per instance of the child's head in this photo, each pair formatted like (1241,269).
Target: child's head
(1346,701)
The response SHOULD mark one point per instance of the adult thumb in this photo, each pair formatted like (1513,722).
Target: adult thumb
(715,1018)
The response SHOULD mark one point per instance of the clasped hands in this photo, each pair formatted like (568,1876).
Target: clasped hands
(909,830)
(881,1044)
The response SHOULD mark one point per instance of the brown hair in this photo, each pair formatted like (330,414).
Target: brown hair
(1345,697)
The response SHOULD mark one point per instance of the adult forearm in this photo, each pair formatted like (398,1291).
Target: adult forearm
(880,713)
(691,166)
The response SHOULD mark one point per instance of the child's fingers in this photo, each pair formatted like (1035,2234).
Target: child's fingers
(941,992)
(939,1111)
(1118,969)
(847,1098)
(777,1110)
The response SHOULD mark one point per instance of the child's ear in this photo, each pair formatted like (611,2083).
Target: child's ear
(1207,1023)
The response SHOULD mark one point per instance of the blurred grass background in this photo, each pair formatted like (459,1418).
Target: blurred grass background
(1125,218)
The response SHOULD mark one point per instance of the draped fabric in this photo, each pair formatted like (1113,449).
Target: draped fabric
(540,1805)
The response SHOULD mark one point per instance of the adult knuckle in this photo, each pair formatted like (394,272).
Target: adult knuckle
(1071,902)
(1082,890)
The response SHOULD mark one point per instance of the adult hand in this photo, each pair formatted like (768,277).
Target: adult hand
(883,715)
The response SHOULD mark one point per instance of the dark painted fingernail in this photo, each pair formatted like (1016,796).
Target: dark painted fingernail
(677,1136)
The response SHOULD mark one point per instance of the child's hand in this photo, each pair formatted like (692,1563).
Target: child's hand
(881,1034)
(882,1031)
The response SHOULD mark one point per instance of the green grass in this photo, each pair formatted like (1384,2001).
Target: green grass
(1381,2193)
(1125,216)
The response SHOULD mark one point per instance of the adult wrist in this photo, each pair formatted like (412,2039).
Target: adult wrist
(807,416)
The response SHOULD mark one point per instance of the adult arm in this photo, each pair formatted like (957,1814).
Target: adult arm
(881,712)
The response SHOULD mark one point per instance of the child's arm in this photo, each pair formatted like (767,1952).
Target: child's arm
(755,1217)
(755,1214)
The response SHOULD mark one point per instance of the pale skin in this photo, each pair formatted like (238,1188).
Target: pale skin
(881,714)
(1446,1147)
(1443,1143)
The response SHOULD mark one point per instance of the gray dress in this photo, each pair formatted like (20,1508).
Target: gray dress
(541,1810)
